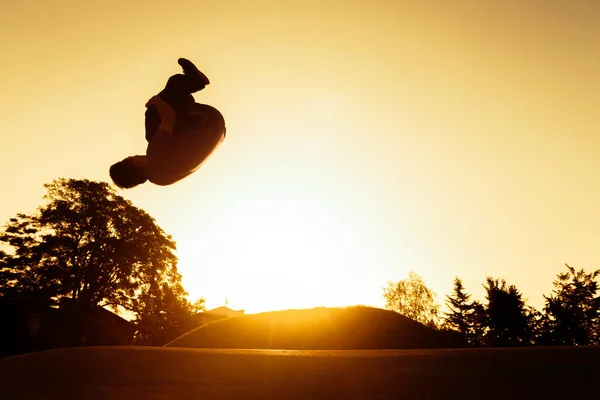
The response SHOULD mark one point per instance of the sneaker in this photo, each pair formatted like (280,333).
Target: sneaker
(198,78)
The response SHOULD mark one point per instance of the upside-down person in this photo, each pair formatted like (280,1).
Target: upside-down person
(181,133)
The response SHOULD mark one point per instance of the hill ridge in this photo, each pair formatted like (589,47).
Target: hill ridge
(319,328)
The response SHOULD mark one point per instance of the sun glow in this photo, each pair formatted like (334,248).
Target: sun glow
(276,251)
(292,233)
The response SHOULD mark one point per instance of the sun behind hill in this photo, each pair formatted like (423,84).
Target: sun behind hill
(319,329)
(276,252)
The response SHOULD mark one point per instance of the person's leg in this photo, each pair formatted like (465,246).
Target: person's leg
(179,87)
(177,92)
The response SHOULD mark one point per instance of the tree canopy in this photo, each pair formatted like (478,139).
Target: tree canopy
(464,316)
(508,319)
(88,246)
(573,309)
(413,299)
(571,314)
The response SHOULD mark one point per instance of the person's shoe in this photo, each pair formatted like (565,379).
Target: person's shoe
(198,79)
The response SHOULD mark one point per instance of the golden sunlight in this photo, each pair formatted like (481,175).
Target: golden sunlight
(274,251)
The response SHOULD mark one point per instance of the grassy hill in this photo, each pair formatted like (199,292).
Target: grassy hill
(318,329)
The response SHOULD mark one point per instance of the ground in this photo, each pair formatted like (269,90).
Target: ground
(120,373)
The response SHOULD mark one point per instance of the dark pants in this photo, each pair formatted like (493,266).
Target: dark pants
(177,93)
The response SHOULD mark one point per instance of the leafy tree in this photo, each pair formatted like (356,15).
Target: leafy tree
(411,298)
(464,316)
(92,247)
(573,309)
(508,319)
(167,317)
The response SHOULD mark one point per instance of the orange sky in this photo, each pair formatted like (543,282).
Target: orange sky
(365,138)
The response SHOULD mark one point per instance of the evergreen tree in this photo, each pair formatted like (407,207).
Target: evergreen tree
(508,322)
(573,309)
(465,316)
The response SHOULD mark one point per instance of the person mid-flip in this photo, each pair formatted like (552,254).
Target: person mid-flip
(181,133)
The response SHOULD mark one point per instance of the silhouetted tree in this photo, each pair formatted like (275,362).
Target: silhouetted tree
(479,324)
(537,324)
(411,298)
(167,317)
(465,316)
(508,319)
(459,304)
(92,247)
(573,309)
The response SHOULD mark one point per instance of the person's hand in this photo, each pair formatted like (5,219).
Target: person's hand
(166,113)
(159,103)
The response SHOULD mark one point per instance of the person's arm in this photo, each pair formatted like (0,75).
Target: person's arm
(166,113)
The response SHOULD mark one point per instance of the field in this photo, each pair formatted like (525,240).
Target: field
(119,373)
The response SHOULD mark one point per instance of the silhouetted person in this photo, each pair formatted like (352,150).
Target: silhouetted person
(181,133)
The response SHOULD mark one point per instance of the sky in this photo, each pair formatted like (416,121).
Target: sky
(365,139)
